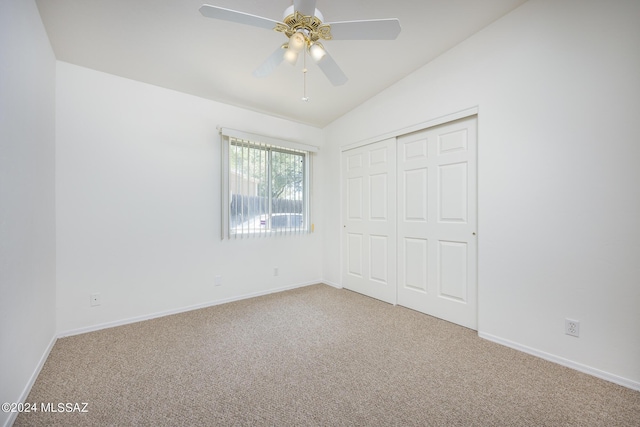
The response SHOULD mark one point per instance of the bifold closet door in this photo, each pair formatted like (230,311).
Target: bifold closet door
(369,220)
(437,221)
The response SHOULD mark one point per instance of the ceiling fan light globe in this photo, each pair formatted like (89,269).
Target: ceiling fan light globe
(291,56)
(297,42)
(317,52)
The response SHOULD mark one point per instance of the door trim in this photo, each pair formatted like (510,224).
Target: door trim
(473,111)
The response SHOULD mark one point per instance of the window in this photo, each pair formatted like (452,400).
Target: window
(266,187)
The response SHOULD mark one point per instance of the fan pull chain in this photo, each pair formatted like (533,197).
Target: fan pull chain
(305,98)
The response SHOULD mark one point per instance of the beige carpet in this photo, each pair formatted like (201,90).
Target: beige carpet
(315,356)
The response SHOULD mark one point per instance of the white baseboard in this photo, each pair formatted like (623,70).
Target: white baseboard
(330,283)
(32,380)
(625,382)
(135,319)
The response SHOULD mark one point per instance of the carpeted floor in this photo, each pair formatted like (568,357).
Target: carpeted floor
(314,356)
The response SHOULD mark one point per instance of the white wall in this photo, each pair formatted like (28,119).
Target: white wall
(27,198)
(138,203)
(557,87)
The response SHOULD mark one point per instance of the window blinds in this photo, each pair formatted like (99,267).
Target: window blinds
(266,188)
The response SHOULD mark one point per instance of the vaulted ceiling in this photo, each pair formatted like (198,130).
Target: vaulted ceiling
(168,43)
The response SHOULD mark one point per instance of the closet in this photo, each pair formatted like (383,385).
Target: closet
(409,218)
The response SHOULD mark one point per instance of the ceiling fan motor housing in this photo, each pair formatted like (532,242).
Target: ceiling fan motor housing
(311,26)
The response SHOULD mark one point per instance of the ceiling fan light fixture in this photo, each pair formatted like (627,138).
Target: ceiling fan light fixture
(317,51)
(297,42)
(291,56)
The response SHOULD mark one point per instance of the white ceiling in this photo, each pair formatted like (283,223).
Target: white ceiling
(168,43)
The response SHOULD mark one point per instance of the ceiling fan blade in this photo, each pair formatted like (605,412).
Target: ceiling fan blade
(332,70)
(271,63)
(305,7)
(374,29)
(237,17)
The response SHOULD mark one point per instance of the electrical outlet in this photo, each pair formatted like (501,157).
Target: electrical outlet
(217,281)
(275,271)
(95,299)
(572,327)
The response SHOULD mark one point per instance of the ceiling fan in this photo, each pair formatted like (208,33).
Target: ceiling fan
(304,27)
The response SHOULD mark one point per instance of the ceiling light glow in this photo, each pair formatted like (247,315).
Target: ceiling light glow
(297,42)
(317,51)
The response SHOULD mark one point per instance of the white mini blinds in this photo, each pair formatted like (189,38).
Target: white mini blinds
(265,188)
